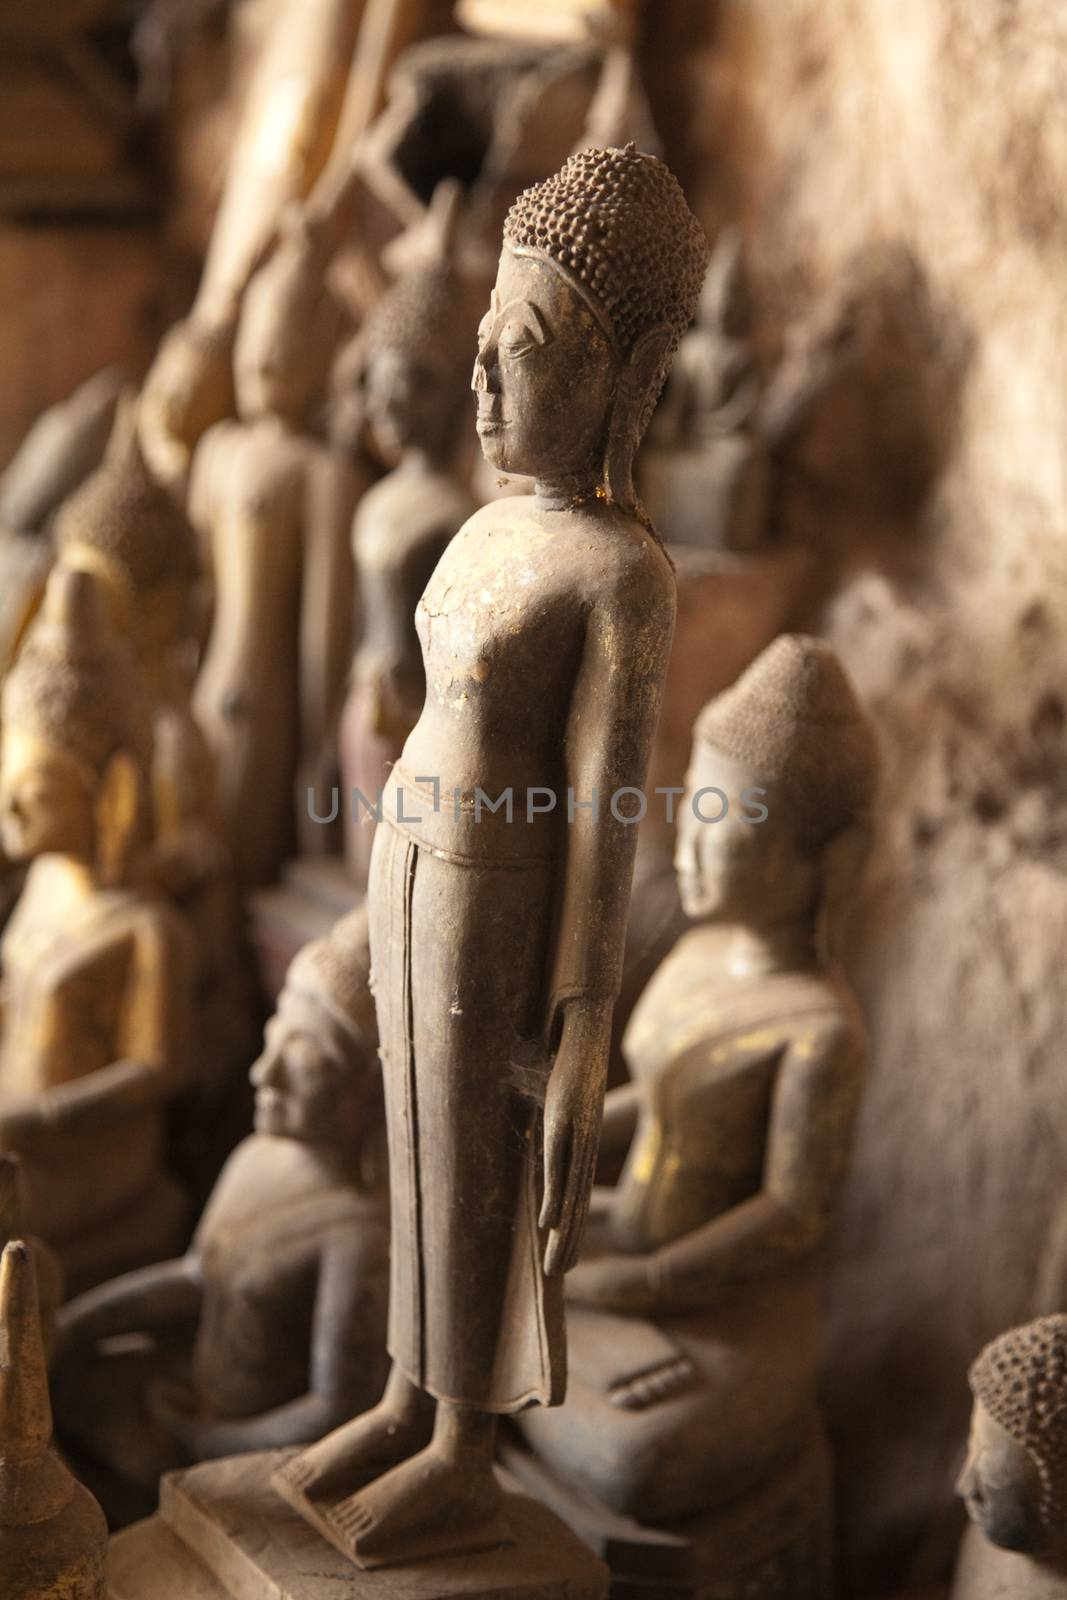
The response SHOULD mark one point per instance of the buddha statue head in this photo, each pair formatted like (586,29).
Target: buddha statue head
(418,343)
(316,1079)
(188,388)
(599,279)
(74,737)
(792,729)
(1014,1481)
(129,532)
(289,330)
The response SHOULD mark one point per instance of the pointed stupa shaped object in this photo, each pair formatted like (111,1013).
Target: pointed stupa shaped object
(53,1538)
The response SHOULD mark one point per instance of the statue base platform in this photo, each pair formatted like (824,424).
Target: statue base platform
(221,1533)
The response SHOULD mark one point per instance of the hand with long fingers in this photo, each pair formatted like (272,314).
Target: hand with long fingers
(574,1106)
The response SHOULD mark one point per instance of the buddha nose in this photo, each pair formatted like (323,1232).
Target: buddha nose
(265,1073)
(486,374)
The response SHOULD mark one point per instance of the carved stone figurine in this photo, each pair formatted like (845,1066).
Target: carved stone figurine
(497,942)
(694,1317)
(53,1537)
(275,505)
(127,530)
(705,470)
(282,1294)
(420,342)
(95,1001)
(1014,1483)
(709,472)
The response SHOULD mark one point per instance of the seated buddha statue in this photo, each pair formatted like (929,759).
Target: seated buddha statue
(420,342)
(693,1316)
(95,1001)
(273,504)
(128,531)
(270,1330)
(1014,1481)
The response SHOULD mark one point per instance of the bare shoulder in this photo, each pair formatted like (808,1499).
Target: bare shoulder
(833,1034)
(632,569)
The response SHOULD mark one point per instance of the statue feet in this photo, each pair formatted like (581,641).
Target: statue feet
(399,1426)
(436,1504)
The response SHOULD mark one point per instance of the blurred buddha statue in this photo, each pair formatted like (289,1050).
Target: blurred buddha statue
(53,1537)
(270,1330)
(127,530)
(64,445)
(420,345)
(709,474)
(95,1003)
(694,1318)
(285,135)
(1014,1482)
(274,505)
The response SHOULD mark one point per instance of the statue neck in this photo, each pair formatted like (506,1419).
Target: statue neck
(760,951)
(559,493)
(70,878)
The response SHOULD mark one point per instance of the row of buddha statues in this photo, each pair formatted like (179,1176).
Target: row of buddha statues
(455,1317)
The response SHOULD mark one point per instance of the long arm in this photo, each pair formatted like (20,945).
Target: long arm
(145,1301)
(607,747)
(612,720)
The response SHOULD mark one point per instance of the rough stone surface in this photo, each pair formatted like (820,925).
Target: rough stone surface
(898,161)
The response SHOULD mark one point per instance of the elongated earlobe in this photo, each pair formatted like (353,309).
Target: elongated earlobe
(117,817)
(632,411)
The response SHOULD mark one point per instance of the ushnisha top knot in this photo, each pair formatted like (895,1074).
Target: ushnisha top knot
(1021,1381)
(122,521)
(73,686)
(334,974)
(794,719)
(618,224)
(430,314)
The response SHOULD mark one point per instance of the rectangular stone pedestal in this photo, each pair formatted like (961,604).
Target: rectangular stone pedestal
(221,1533)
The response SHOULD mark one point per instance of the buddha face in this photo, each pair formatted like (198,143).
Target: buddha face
(46,800)
(404,401)
(284,341)
(307,1086)
(1000,1487)
(737,868)
(545,376)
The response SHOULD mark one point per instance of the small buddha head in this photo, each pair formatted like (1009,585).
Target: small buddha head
(316,1078)
(74,740)
(599,279)
(418,342)
(780,789)
(289,330)
(1014,1481)
(189,386)
(126,529)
